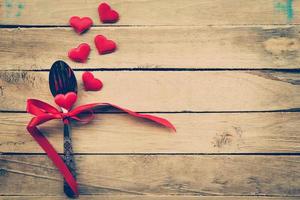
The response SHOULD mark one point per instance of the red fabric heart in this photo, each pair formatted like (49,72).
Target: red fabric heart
(80,24)
(90,82)
(80,54)
(66,101)
(106,14)
(104,45)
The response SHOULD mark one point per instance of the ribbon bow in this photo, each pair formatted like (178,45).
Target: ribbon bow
(44,112)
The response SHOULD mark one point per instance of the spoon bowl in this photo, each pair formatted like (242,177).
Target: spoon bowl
(62,79)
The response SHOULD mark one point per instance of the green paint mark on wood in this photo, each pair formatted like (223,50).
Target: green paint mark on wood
(286,8)
(21,6)
(8,4)
(13,8)
(290,12)
(7,8)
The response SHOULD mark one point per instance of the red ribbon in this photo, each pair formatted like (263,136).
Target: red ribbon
(44,112)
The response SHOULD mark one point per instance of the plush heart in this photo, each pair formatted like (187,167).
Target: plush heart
(80,24)
(66,101)
(104,45)
(90,82)
(80,54)
(106,14)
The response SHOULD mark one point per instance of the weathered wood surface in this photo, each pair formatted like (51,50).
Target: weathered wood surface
(149,197)
(152,34)
(154,12)
(156,47)
(167,175)
(196,133)
(167,91)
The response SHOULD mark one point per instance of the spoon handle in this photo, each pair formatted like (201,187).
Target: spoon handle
(68,158)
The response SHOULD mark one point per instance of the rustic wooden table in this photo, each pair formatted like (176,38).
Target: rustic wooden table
(225,72)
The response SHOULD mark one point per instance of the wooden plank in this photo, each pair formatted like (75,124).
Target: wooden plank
(156,47)
(156,175)
(167,91)
(149,197)
(154,12)
(196,133)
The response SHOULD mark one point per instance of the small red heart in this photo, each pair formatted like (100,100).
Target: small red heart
(66,101)
(90,82)
(106,14)
(80,54)
(80,24)
(104,45)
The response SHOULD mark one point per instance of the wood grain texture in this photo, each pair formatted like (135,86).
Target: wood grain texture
(167,91)
(152,34)
(148,197)
(152,12)
(196,133)
(156,175)
(156,47)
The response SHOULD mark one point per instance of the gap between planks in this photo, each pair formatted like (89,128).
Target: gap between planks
(158,154)
(147,197)
(20,26)
(166,69)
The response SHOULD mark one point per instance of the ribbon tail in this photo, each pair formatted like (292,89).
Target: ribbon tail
(153,118)
(53,155)
(158,120)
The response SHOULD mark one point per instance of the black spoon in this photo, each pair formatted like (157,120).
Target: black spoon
(61,81)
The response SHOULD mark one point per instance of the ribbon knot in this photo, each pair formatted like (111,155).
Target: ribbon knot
(65,117)
(44,112)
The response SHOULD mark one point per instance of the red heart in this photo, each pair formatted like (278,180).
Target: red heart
(106,14)
(66,101)
(104,45)
(90,82)
(80,24)
(80,53)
